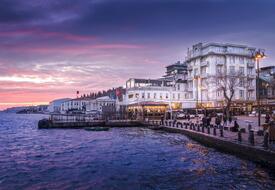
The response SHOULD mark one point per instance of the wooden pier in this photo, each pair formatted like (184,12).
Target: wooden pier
(81,121)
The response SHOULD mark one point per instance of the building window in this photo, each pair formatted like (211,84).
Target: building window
(242,70)
(241,94)
(231,69)
(167,96)
(241,60)
(173,96)
(241,82)
(160,96)
(196,72)
(155,95)
(143,95)
(186,96)
(178,96)
(130,96)
(178,86)
(148,95)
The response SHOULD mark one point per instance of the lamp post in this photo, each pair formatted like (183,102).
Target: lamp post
(259,54)
(197,94)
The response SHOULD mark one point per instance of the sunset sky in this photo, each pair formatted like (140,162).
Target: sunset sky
(50,49)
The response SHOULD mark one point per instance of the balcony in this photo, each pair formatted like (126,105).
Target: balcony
(251,88)
(204,75)
(204,64)
(251,76)
(189,89)
(189,68)
(251,64)
(189,77)
(219,63)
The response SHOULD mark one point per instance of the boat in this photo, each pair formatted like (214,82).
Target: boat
(97,128)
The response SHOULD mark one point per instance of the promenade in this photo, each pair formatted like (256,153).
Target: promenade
(249,144)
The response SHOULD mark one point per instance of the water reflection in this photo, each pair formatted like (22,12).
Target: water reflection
(132,158)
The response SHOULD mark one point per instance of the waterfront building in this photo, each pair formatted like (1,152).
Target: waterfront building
(55,105)
(152,95)
(155,90)
(205,61)
(267,87)
(77,104)
(102,105)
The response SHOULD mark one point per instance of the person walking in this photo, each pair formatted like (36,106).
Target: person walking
(267,118)
(230,119)
(218,121)
(224,120)
(236,127)
(208,120)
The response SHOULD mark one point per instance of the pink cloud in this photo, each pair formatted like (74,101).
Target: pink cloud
(45,34)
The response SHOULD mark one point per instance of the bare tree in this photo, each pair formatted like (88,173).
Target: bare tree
(227,83)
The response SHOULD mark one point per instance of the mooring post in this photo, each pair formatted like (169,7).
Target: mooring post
(266,139)
(202,128)
(239,136)
(251,137)
(198,127)
(208,129)
(214,131)
(221,131)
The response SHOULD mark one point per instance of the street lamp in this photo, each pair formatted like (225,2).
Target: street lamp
(259,54)
(197,94)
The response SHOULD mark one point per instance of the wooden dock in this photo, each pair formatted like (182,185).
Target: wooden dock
(81,121)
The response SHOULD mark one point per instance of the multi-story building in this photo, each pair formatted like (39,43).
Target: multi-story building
(101,104)
(267,87)
(169,89)
(205,61)
(55,105)
(77,104)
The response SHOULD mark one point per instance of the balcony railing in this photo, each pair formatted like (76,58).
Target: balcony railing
(251,75)
(204,64)
(219,63)
(189,77)
(189,68)
(251,65)
(204,75)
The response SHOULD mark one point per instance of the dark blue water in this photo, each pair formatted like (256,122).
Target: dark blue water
(132,158)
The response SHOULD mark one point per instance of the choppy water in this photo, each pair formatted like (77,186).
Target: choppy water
(132,158)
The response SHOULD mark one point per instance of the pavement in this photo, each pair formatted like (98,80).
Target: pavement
(243,123)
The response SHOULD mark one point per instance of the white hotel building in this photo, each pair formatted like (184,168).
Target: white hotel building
(169,90)
(186,85)
(207,60)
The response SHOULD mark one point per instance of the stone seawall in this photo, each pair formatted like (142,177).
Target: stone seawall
(259,155)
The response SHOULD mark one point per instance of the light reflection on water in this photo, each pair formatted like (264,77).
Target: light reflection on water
(132,158)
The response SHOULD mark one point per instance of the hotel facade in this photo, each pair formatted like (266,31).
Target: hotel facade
(205,61)
(187,84)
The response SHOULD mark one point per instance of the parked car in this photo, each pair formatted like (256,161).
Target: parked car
(181,116)
(255,113)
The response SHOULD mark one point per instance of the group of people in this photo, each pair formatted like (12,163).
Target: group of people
(206,121)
